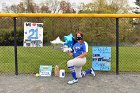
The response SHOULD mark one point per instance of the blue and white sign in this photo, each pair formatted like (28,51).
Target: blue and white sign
(33,34)
(101,58)
(45,70)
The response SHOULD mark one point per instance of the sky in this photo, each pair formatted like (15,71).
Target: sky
(10,2)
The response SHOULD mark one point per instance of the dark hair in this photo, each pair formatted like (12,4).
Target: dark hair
(81,35)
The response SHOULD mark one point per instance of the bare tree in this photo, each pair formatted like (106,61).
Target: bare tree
(65,7)
(54,6)
(20,8)
(13,8)
(29,6)
(44,8)
(5,8)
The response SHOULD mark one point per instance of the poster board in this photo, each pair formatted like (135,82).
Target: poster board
(33,34)
(45,70)
(101,58)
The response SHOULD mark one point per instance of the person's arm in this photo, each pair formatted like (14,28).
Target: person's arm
(70,54)
(83,55)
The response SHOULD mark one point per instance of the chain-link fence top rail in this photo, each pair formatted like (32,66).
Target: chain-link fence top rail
(70,15)
(98,29)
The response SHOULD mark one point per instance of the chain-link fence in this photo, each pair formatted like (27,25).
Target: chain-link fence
(7,63)
(97,32)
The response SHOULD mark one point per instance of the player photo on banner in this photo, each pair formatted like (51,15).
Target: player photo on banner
(101,57)
(33,34)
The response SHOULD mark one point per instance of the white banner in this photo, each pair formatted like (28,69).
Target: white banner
(33,34)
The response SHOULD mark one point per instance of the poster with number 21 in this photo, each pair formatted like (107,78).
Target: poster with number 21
(33,34)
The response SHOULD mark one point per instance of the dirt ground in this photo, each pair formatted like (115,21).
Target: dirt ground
(102,83)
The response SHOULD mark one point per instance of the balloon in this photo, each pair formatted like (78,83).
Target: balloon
(69,40)
(57,41)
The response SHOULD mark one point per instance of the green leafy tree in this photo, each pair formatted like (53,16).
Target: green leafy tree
(135,34)
(102,30)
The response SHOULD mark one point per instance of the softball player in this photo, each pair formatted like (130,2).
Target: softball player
(80,51)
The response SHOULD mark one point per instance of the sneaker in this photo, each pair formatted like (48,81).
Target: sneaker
(83,73)
(92,72)
(73,81)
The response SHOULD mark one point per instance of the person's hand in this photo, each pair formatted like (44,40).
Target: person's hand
(70,54)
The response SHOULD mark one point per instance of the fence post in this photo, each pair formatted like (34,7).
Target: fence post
(15,47)
(117,46)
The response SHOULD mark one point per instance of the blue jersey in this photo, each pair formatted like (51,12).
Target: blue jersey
(79,49)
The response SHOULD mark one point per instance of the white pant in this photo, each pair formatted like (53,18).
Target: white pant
(77,63)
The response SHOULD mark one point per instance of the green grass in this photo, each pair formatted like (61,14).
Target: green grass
(130,59)
(29,59)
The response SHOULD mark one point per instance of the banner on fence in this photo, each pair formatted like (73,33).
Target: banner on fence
(33,34)
(45,70)
(101,58)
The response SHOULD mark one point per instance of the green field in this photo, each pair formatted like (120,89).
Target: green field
(29,59)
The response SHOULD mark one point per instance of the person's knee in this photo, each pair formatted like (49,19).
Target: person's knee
(69,63)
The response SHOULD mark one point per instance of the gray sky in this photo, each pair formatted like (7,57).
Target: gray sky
(10,2)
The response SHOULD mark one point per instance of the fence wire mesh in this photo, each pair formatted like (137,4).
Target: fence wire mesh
(7,64)
(129,45)
(97,32)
